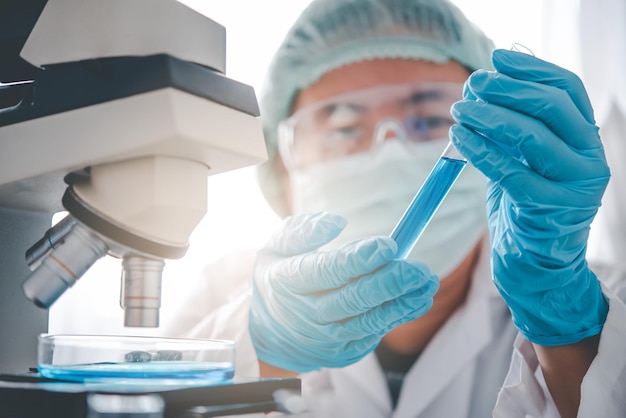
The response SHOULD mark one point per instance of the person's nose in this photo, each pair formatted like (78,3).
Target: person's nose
(388,123)
(388,128)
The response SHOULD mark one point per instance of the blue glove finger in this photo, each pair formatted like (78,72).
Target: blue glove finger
(531,140)
(525,187)
(526,67)
(393,281)
(536,203)
(547,104)
(467,92)
(323,270)
(305,232)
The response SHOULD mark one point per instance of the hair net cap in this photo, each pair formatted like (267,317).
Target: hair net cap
(333,33)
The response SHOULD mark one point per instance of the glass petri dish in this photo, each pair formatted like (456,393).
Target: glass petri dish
(107,358)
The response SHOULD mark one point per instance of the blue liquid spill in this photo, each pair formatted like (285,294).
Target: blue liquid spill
(425,204)
(176,370)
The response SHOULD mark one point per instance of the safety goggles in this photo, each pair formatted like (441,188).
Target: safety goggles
(357,121)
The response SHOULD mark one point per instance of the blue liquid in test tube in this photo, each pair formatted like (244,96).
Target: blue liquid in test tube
(427,200)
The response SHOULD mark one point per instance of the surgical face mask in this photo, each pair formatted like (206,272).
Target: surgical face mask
(373,189)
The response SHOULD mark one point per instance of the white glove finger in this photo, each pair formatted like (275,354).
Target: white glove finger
(390,282)
(304,232)
(383,318)
(325,270)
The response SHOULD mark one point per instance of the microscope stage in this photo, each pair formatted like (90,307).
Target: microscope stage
(33,396)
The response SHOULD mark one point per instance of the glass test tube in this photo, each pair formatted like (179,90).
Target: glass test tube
(427,200)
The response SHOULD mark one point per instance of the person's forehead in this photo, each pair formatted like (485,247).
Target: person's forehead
(371,73)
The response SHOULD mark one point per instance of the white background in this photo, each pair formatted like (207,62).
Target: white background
(237,216)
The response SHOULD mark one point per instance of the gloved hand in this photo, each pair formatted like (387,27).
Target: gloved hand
(329,308)
(529,128)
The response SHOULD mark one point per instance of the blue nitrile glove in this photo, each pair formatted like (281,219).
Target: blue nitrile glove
(529,128)
(329,308)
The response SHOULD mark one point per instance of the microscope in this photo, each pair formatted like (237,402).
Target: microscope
(116,112)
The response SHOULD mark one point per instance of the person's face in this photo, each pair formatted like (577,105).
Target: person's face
(368,74)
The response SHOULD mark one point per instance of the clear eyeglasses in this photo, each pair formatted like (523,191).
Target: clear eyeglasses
(357,121)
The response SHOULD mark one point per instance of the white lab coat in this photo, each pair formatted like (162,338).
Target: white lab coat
(475,362)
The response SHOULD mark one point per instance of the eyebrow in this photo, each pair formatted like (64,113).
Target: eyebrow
(421,96)
(331,108)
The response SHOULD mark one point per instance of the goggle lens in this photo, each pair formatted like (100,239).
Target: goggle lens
(350,123)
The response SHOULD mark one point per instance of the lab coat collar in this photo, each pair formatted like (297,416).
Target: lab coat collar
(455,346)
(375,386)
